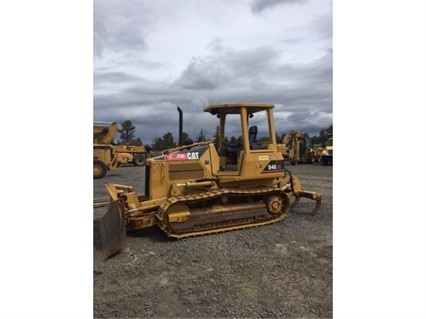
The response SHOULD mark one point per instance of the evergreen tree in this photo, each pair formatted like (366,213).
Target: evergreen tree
(201,137)
(165,142)
(169,141)
(136,141)
(127,131)
(216,137)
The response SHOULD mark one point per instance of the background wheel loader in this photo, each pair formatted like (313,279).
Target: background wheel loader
(107,156)
(209,187)
(104,154)
(132,154)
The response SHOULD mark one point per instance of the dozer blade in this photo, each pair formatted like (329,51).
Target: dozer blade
(112,228)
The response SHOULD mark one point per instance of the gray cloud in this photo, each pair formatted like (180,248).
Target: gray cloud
(117,28)
(261,5)
(322,26)
(229,66)
(252,61)
(114,78)
(203,73)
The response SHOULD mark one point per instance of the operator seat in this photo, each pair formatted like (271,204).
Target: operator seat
(253,137)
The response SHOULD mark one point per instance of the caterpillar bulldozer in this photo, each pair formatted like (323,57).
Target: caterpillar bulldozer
(107,156)
(209,187)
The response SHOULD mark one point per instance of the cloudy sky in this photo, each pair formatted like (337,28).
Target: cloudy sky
(152,56)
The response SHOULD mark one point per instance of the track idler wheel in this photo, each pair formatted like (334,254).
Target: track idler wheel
(274,204)
(277,204)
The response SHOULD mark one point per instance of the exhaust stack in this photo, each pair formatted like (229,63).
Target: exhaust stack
(180,125)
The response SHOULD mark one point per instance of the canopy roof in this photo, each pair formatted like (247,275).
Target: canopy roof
(235,108)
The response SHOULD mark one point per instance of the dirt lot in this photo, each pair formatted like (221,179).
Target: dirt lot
(282,270)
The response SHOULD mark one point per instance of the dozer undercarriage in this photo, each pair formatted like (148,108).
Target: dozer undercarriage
(202,189)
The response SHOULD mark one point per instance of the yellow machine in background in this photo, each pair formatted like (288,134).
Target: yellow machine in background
(107,156)
(327,152)
(104,154)
(132,154)
(299,148)
(202,189)
(284,146)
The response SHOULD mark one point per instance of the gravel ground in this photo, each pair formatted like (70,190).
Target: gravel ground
(283,270)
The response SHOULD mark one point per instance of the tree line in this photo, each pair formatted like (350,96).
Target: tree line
(127,136)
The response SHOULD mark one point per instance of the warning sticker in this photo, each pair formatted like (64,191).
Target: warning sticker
(265,158)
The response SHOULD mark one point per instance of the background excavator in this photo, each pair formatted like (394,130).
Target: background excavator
(107,156)
(299,148)
(209,187)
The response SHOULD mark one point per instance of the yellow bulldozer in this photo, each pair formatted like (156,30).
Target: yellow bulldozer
(107,156)
(209,187)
